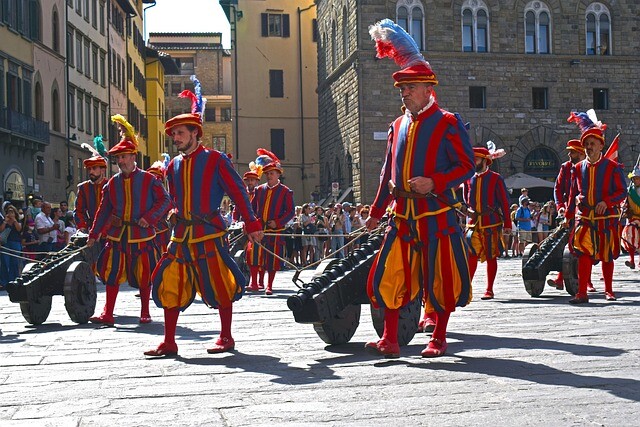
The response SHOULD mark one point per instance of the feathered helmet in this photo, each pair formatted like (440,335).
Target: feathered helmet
(268,161)
(589,125)
(197,110)
(254,172)
(490,153)
(159,167)
(129,143)
(575,145)
(98,151)
(394,42)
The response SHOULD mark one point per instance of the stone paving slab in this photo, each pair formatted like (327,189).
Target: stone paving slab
(512,361)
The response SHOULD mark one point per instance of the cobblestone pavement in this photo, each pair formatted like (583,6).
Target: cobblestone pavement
(513,361)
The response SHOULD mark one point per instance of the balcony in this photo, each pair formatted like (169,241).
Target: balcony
(24,129)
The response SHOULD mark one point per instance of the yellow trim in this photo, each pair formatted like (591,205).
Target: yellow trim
(430,79)
(187,233)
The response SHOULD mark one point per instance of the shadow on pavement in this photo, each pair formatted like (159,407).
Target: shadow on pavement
(269,365)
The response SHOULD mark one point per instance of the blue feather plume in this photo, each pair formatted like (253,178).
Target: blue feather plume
(394,42)
(166,158)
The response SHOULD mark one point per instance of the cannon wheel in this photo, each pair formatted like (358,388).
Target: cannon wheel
(80,292)
(341,328)
(570,271)
(407,325)
(35,312)
(533,287)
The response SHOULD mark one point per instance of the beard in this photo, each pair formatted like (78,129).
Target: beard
(95,178)
(480,167)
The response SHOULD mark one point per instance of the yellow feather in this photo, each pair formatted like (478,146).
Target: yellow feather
(129,132)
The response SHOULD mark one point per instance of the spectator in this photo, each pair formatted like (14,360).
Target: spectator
(30,239)
(321,228)
(10,266)
(337,227)
(523,216)
(515,241)
(69,228)
(60,241)
(307,222)
(46,228)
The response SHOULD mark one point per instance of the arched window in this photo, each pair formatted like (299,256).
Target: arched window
(410,16)
(598,29)
(334,45)
(55,31)
(39,102)
(475,26)
(537,28)
(345,34)
(55,110)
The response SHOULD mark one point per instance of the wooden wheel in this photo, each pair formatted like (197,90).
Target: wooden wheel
(37,309)
(533,287)
(341,328)
(407,325)
(570,271)
(80,292)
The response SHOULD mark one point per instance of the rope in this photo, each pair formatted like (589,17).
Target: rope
(44,262)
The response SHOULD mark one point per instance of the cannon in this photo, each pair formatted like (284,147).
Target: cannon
(237,247)
(332,301)
(551,254)
(67,273)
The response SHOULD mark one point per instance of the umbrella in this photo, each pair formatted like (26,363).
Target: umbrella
(522,180)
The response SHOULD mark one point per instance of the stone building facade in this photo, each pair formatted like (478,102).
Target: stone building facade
(513,70)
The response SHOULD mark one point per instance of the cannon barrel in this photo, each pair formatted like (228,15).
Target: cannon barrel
(548,256)
(340,285)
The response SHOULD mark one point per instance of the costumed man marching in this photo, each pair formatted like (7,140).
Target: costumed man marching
(428,157)
(488,209)
(197,259)
(631,231)
(561,190)
(596,194)
(163,232)
(251,179)
(90,191)
(273,204)
(133,202)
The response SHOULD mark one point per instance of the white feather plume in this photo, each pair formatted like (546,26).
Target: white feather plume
(594,118)
(90,148)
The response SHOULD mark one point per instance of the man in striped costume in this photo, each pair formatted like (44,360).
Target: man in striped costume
(596,194)
(163,232)
(488,208)
(198,258)
(133,201)
(273,204)
(90,192)
(631,231)
(561,190)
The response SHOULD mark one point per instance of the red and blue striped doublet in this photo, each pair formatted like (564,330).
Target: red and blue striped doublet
(562,187)
(597,236)
(130,254)
(486,196)
(271,203)
(87,203)
(423,247)
(631,230)
(197,259)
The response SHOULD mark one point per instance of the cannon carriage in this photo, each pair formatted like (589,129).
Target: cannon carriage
(67,273)
(332,301)
(552,254)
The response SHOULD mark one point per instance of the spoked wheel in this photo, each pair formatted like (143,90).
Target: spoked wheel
(570,271)
(533,287)
(407,325)
(80,292)
(341,328)
(36,310)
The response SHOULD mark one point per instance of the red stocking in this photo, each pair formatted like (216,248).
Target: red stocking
(254,275)
(584,274)
(632,254)
(145,291)
(391,318)
(170,325)
(492,271)
(560,278)
(473,265)
(442,320)
(112,294)
(272,276)
(225,321)
(607,273)
(261,281)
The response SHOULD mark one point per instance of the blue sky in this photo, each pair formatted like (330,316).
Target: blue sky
(182,16)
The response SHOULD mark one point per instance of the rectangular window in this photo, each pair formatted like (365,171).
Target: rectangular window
(225,114)
(102,10)
(26,91)
(210,114)
(80,170)
(314,34)
(1,84)
(94,14)
(103,120)
(176,88)
(80,109)
(87,58)
(70,46)
(477,97)
(79,52)
(276,84)
(94,56)
(96,117)
(103,67)
(219,143)
(601,99)
(71,102)
(57,169)
(40,165)
(275,25)
(540,98)
(277,143)
(86,10)
(79,7)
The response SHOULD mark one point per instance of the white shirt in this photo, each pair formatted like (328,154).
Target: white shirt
(44,221)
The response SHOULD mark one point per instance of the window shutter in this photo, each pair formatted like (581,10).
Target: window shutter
(265,24)
(285,25)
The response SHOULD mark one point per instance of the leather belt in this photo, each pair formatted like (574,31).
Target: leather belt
(396,192)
